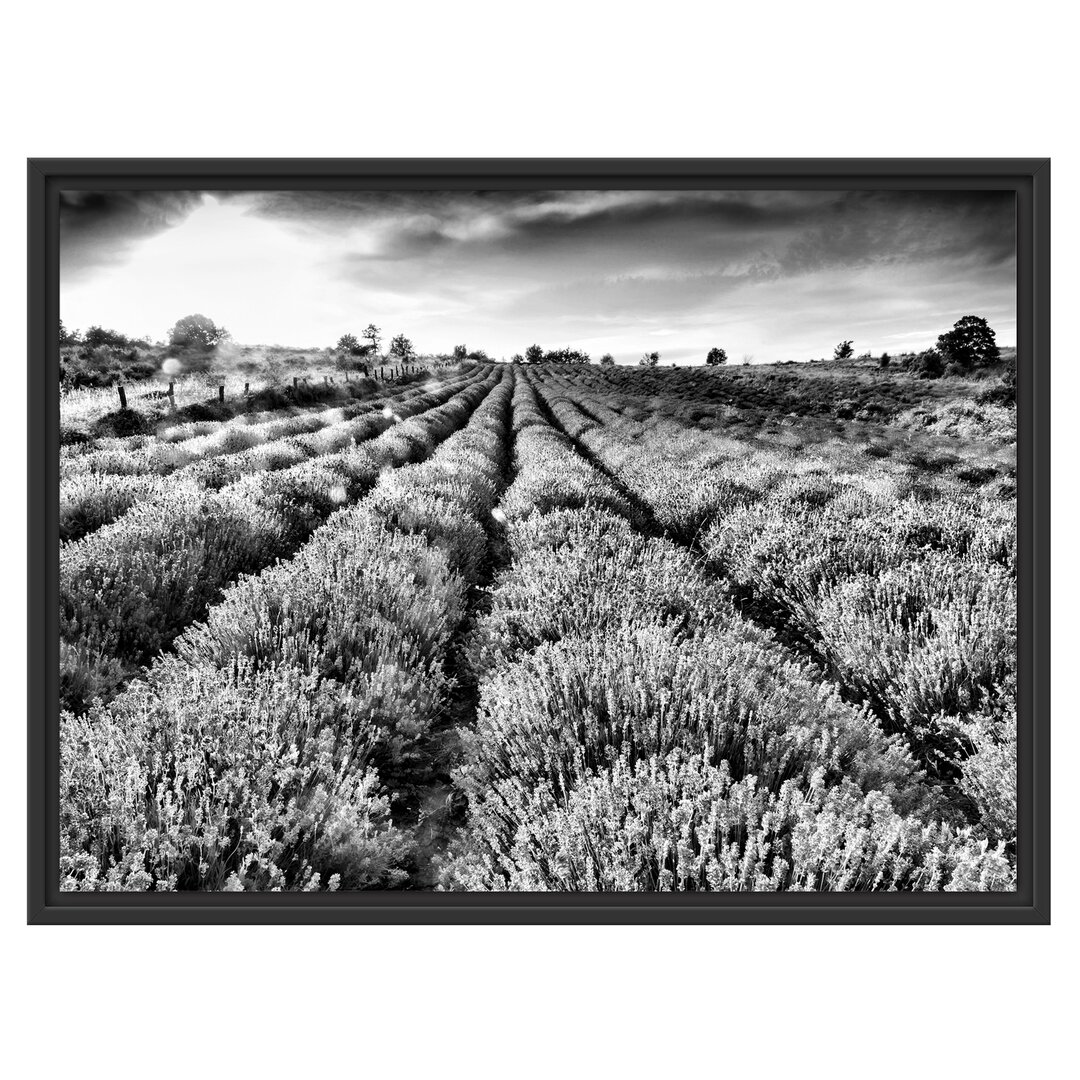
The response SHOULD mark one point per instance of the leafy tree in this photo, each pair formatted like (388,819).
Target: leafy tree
(607,360)
(534,354)
(460,352)
(374,335)
(566,356)
(517,358)
(716,356)
(884,360)
(650,359)
(402,348)
(479,355)
(97,336)
(970,343)
(351,354)
(198,333)
(68,337)
(349,345)
(843,351)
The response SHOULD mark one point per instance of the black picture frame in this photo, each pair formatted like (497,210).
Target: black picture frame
(1029,178)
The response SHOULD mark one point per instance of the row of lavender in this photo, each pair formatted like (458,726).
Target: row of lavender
(635,732)
(105,479)
(128,589)
(901,587)
(264,751)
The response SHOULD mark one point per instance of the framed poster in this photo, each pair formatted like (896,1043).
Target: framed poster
(538,541)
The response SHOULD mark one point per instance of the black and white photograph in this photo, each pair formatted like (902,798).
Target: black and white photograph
(538,540)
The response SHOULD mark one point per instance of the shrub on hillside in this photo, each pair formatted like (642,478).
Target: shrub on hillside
(929,364)
(1003,392)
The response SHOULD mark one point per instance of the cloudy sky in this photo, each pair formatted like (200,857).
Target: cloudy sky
(781,275)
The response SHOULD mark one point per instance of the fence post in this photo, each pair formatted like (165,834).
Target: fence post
(123,397)
(221,394)
(346,376)
(295,382)
(172,394)
(247,386)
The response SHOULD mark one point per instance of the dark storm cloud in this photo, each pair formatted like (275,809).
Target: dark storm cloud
(98,228)
(728,212)
(757,235)
(864,227)
(490,222)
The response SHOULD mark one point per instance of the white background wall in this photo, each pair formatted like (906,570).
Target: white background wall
(552,79)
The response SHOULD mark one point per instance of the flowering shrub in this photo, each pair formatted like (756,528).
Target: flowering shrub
(569,706)
(679,823)
(207,778)
(988,772)
(923,638)
(586,571)
(90,500)
(366,606)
